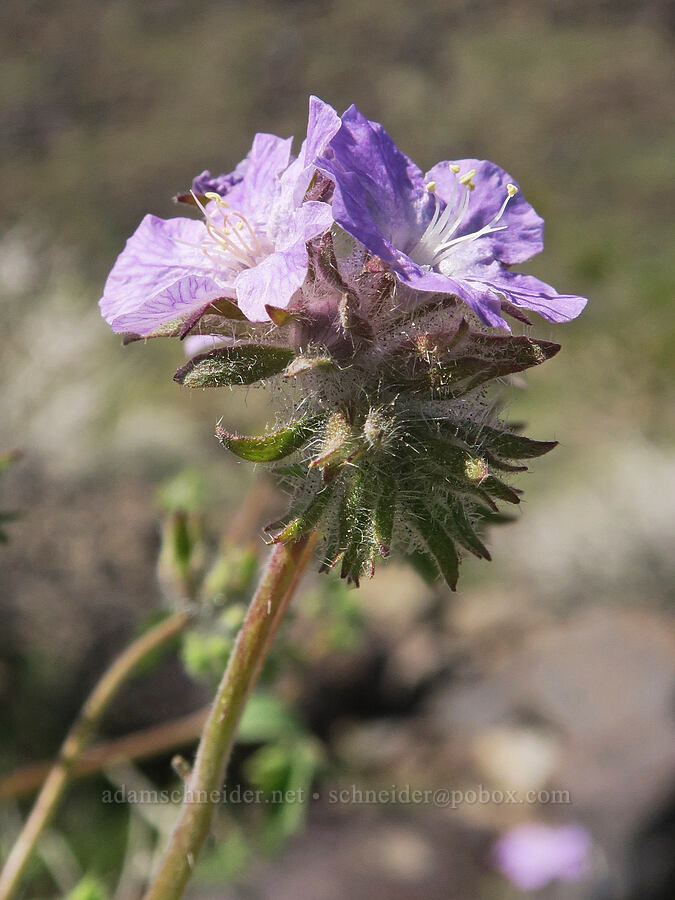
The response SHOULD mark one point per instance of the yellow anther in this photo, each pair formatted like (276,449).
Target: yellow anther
(466,179)
(511,190)
(239,225)
(453,168)
(431,187)
(211,195)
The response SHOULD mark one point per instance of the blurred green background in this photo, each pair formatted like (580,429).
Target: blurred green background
(554,663)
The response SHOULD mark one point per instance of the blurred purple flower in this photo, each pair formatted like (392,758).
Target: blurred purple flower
(533,855)
(453,231)
(251,247)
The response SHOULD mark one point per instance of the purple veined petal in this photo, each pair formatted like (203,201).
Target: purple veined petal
(322,125)
(190,294)
(308,221)
(484,302)
(531,293)
(352,214)
(380,193)
(272,282)
(523,236)
(256,192)
(161,275)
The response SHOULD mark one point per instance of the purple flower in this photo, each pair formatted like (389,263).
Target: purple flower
(453,231)
(531,856)
(250,247)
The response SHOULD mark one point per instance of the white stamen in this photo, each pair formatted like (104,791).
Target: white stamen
(240,241)
(437,242)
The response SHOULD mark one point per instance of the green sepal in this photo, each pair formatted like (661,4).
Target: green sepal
(449,456)
(331,551)
(384,514)
(336,444)
(501,464)
(240,364)
(503,443)
(356,520)
(424,564)
(483,358)
(438,542)
(307,520)
(459,525)
(272,446)
(497,488)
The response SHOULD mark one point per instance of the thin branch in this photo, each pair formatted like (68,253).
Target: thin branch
(138,745)
(57,780)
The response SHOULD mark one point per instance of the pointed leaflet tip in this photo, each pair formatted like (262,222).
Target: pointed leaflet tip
(279,316)
(500,490)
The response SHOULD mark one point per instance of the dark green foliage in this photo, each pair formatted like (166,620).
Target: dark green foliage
(502,443)
(437,541)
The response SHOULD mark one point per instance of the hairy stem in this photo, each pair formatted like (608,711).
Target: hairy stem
(57,780)
(279,580)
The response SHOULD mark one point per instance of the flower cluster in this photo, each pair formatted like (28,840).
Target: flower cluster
(375,295)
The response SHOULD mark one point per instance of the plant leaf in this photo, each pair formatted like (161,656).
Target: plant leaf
(271,446)
(308,519)
(384,514)
(239,364)
(501,442)
(459,525)
(438,542)
(500,490)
